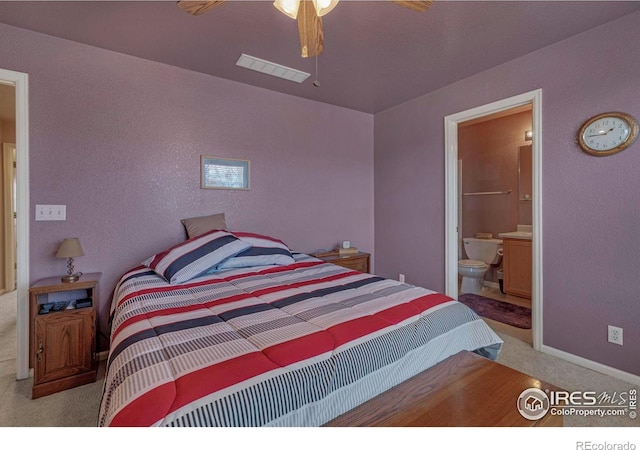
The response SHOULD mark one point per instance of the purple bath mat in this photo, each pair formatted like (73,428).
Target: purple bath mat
(514,315)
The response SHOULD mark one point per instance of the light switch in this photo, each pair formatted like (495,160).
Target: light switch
(51,212)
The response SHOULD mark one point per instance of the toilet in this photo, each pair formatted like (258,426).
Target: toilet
(481,253)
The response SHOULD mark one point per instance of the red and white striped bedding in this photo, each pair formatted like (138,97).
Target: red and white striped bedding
(293,345)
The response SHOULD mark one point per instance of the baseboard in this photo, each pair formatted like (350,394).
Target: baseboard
(595,366)
(492,284)
(102,356)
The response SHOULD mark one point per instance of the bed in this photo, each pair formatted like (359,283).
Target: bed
(268,337)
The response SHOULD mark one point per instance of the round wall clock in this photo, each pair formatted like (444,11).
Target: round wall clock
(608,133)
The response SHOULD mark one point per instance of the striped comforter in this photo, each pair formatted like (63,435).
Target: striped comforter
(293,345)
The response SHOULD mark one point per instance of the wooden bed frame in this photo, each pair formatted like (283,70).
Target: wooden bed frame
(465,390)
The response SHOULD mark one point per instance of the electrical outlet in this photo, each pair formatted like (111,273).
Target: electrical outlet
(615,335)
(401,278)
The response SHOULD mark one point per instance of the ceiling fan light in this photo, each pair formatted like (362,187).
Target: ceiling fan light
(288,7)
(324,6)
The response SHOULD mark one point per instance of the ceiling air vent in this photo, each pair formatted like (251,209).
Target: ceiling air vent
(271,68)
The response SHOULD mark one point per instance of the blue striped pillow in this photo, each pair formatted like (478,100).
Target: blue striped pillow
(264,251)
(195,256)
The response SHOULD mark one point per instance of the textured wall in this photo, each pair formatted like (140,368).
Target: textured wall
(590,204)
(118,140)
(8,131)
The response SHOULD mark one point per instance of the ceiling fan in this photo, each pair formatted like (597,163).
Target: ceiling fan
(308,14)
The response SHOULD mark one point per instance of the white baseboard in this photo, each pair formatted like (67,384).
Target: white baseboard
(595,366)
(102,356)
(492,284)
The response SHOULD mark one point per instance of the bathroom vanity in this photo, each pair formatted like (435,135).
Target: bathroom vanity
(517,263)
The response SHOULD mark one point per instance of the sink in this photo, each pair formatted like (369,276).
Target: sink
(522,232)
(517,235)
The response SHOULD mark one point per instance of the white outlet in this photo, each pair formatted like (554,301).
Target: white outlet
(615,335)
(401,278)
(51,212)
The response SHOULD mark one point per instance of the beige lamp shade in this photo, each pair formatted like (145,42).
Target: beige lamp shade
(288,7)
(70,248)
(324,6)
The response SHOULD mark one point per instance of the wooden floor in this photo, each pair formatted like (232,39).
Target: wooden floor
(518,333)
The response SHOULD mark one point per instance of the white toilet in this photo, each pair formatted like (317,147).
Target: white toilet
(481,253)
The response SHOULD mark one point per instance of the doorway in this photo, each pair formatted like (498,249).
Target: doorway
(533,100)
(9,213)
(8,298)
(494,197)
(19,82)
(7,189)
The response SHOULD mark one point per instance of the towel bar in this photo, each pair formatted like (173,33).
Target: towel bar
(489,193)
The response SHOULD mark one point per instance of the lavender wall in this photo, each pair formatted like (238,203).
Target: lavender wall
(118,140)
(590,212)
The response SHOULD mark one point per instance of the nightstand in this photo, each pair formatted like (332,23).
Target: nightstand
(357,261)
(63,342)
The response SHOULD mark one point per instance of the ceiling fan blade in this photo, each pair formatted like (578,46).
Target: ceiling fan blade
(416,5)
(197,8)
(310,29)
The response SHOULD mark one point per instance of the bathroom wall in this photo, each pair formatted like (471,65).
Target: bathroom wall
(8,131)
(525,185)
(490,152)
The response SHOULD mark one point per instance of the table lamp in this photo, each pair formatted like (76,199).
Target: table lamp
(70,248)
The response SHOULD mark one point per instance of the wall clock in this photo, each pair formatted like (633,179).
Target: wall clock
(608,133)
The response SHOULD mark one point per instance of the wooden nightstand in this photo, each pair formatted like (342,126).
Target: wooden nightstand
(358,261)
(63,343)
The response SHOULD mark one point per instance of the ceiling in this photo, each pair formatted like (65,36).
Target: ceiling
(377,54)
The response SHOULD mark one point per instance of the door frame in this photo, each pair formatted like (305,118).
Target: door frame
(451,198)
(21,83)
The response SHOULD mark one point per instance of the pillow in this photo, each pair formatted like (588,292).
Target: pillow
(197,226)
(264,251)
(195,256)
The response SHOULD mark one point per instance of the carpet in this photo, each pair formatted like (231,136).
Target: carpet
(514,315)
(8,312)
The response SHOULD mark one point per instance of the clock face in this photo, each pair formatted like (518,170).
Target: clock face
(608,133)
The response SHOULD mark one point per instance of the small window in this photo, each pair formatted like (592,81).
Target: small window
(221,173)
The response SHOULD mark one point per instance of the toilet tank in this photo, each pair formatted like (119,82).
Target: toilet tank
(485,250)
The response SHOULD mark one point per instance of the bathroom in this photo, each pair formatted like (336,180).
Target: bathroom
(495,190)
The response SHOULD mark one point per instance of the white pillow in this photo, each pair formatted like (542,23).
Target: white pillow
(195,256)
(264,251)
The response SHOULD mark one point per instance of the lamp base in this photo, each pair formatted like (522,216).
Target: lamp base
(70,278)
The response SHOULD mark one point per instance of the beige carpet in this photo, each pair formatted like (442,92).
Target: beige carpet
(78,407)
(565,375)
(8,308)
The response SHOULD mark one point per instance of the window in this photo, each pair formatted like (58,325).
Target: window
(220,173)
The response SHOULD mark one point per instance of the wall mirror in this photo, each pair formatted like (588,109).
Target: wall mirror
(525,185)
